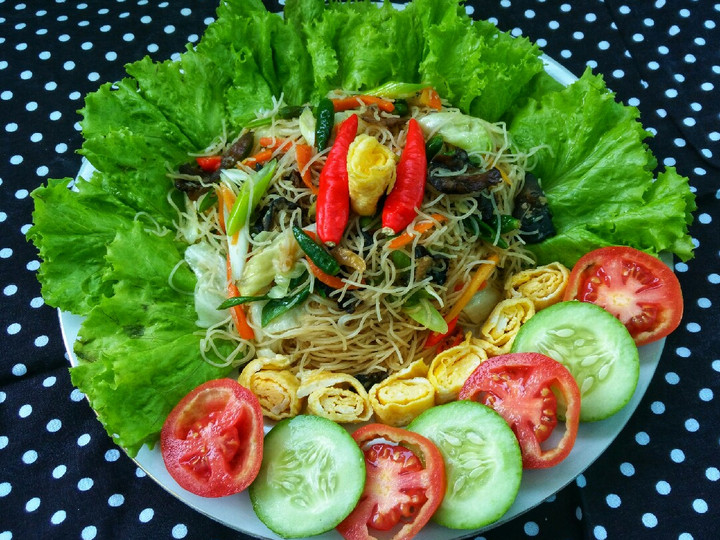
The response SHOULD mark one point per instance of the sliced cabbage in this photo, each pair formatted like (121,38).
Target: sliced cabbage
(211,287)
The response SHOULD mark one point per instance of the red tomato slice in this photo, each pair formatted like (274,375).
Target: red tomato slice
(637,288)
(524,388)
(405,483)
(212,441)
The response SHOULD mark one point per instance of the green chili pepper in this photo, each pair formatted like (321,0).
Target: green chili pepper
(278,306)
(325,119)
(400,259)
(401,107)
(507,223)
(484,231)
(321,258)
(208,201)
(395,90)
(419,307)
(284,113)
(238,300)
(433,146)
(249,197)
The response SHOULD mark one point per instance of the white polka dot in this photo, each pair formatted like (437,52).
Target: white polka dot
(32,505)
(112,455)
(705,394)
(111,56)
(683,352)
(627,469)
(714,278)
(128,37)
(531,528)
(612,500)
(14,328)
(9,290)
(3,441)
(58,517)
(140,473)
(53,425)
(603,45)
(29,457)
(692,425)
(76,395)
(88,533)
(658,407)
(116,500)
(83,439)
(25,75)
(677,455)
(671,93)
(649,520)
(580,481)
(25,411)
(69,65)
(599,532)
(706,86)
(41,341)
(59,471)
(16,159)
(152,48)
(87,45)
(700,506)
(179,531)
(642,438)
(5,489)
(36,137)
(146,515)
(85,484)
(712,474)
(662,487)
(19,370)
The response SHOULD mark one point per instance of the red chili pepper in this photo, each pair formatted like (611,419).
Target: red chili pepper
(407,194)
(435,338)
(333,202)
(209,163)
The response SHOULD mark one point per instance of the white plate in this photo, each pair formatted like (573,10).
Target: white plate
(537,485)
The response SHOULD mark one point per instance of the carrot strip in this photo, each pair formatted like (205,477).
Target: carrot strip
(237,312)
(353,102)
(263,156)
(276,143)
(431,98)
(481,275)
(420,228)
(303,155)
(331,281)
(226,199)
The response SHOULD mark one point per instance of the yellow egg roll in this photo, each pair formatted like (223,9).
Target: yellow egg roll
(499,330)
(544,285)
(449,369)
(274,385)
(337,396)
(403,395)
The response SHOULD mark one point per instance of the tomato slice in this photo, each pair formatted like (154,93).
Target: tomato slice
(637,288)
(524,388)
(212,441)
(405,483)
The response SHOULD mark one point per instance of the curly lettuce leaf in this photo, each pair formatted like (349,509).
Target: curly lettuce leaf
(71,230)
(138,350)
(597,174)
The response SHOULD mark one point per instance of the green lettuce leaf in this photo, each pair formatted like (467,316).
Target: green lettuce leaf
(138,349)
(597,174)
(71,230)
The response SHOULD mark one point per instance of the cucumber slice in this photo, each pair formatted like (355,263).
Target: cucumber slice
(311,477)
(482,462)
(596,348)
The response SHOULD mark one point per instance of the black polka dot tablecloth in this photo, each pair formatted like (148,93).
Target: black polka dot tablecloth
(60,474)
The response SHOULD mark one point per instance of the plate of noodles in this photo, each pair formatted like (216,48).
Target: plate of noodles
(201,228)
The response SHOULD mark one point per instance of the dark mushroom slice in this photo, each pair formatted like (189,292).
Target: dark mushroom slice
(453,173)
(532,210)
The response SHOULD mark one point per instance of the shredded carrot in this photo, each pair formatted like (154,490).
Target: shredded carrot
(331,281)
(263,156)
(237,312)
(303,155)
(431,98)
(420,228)
(353,102)
(276,143)
(226,199)
(481,275)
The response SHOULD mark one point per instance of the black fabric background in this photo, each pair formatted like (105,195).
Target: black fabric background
(62,477)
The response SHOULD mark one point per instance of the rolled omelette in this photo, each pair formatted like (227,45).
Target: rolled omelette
(274,385)
(403,395)
(544,285)
(337,396)
(499,330)
(450,368)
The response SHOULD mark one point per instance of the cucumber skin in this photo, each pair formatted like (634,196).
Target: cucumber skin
(289,432)
(613,397)
(452,513)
